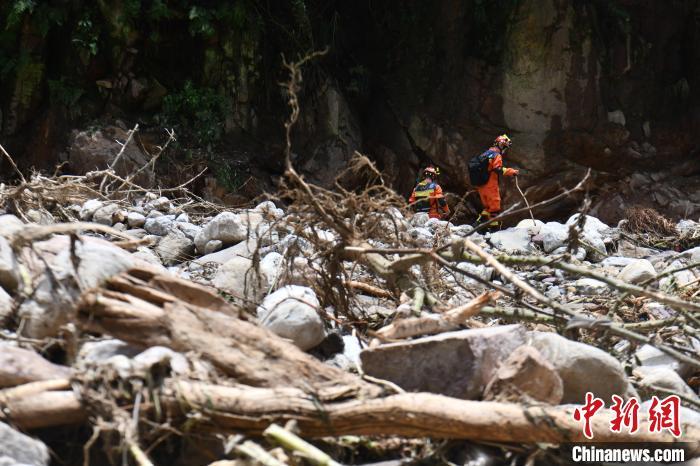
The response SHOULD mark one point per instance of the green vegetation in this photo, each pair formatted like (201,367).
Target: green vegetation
(199,112)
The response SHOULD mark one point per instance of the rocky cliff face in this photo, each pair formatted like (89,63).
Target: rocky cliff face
(614,86)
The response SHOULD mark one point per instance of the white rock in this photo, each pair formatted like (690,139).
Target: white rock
(664,377)
(95,352)
(105,215)
(51,305)
(435,224)
(532,226)
(183,217)
(421,236)
(9,277)
(269,209)
(161,204)
(159,355)
(89,209)
(6,307)
(242,249)
(619,262)
(677,279)
(693,254)
(650,356)
(135,219)
(9,225)
(512,240)
(160,226)
(213,246)
(592,224)
(582,368)
(239,278)
(554,235)
(227,227)
(637,272)
(290,312)
(20,449)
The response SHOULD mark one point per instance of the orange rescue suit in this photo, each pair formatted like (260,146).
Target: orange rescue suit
(489,193)
(427,197)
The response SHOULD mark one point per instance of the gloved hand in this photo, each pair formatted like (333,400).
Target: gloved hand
(510,172)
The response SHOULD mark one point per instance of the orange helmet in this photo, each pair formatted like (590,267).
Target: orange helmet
(503,140)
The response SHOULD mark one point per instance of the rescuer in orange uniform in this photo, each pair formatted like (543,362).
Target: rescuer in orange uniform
(489,193)
(427,195)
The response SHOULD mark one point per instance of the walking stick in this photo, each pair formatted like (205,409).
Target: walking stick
(525,199)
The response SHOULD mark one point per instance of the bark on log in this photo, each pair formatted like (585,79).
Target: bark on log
(148,309)
(251,410)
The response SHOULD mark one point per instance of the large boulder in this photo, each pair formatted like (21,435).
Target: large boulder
(457,364)
(639,271)
(526,375)
(96,150)
(239,278)
(18,449)
(291,312)
(582,368)
(19,366)
(53,300)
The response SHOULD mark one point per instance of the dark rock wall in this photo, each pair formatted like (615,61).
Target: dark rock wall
(610,85)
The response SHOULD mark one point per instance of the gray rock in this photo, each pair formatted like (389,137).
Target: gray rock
(213,246)
(619,262)
(147,255)
(160,226)
(663,377)
(136,220)
(457,364)
(525,376)
(19,366)
(22,449)
(183,217)
(590,286)
(154,214)
(638,271)
(227,227)
(582,368)
(512,240)
(6,307)
(419,219)
(161,204)
(137,233)
(190,230)
(175,247)
(89,209)
(105,214)
(291,312)
(423,237)
(9,278)
(9,225)
(693,254)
